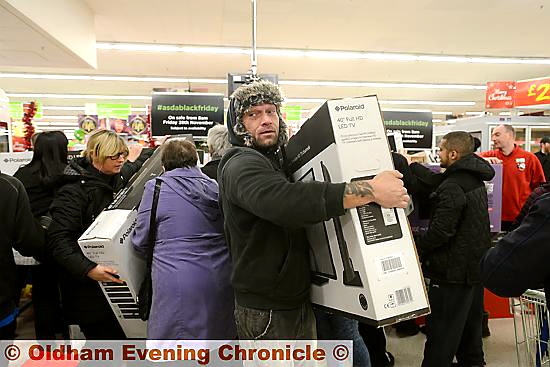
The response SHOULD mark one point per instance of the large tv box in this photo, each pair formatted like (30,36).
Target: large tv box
(364,264)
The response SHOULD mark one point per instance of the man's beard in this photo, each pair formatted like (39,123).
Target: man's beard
(266,147)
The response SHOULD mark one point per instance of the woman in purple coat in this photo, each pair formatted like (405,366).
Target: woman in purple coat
(192,293)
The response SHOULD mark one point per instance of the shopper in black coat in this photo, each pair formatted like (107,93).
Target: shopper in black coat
(41,177)
(74,208)
(19,230)
(458,236)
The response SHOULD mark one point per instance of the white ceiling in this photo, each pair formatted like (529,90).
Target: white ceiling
(491,28)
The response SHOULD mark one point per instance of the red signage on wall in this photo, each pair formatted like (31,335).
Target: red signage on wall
(532,92)
(500,95)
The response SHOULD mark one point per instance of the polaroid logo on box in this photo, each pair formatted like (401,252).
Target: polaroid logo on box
(128,232)
(17,160)
(350,107)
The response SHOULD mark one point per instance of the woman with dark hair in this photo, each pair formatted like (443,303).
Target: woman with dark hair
(191,268)
(43,173)
(41,177)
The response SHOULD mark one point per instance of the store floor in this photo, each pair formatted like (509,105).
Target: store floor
(500,349)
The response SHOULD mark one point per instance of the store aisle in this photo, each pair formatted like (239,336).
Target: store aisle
(500,347)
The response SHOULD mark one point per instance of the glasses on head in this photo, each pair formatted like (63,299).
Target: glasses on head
(118,155)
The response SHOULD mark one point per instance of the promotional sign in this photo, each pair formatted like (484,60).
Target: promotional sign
(500,94)
(416,128)
(185,113)
(137,124)
(114,110)
(88,123)
(364,263)
(534,92)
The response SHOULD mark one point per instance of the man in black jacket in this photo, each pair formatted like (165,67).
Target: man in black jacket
(265,215)
(20,231)
(544,156)
(458,236)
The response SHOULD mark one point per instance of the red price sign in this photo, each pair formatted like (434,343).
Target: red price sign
(532,92)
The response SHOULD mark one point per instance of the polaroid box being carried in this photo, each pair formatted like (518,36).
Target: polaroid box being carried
(364,263)
(107,242)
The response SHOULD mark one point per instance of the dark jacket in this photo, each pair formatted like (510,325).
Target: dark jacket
(520,260)
(40,192)
(264,218)
(211,169)
(545,163)
(459,232)
(75,207)
(19,230)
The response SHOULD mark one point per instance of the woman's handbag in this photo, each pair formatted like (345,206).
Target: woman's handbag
(145,294)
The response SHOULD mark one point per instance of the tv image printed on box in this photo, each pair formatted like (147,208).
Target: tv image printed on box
(364,263)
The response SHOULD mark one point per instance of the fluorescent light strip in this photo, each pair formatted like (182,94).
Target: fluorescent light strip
(474,113)
(433,103)
(437,120)
(288,100)
(317,83)
(445,113)
(320,83)
(83,108)
(58,118)
(323,54)
(56,124)
(112,78)
(74,96)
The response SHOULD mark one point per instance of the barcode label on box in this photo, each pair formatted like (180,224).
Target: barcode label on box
(391,264)
(389,216)
(404,296)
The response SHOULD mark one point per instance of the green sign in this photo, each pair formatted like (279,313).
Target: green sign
(292,113)
(16,110)
(115,110)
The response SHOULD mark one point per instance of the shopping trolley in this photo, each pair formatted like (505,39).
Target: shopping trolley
(531,328)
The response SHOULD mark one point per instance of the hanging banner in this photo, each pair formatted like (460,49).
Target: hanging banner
(137,124)
(416,128)
(114,110)
(88,123)
(185,113)
(500,94)
(533,92)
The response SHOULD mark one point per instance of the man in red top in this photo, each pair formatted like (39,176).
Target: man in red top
(521,171)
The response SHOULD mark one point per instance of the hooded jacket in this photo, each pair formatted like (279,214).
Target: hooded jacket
(459,231)
(264,218)
(20,231)
(191,269)
(76,205)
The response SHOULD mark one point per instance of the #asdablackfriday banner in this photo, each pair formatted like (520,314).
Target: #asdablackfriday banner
(195,114)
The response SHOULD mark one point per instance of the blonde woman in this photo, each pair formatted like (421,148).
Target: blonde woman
(90,184)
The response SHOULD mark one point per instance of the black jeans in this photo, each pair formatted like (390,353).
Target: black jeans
(297,323)
(454,326)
